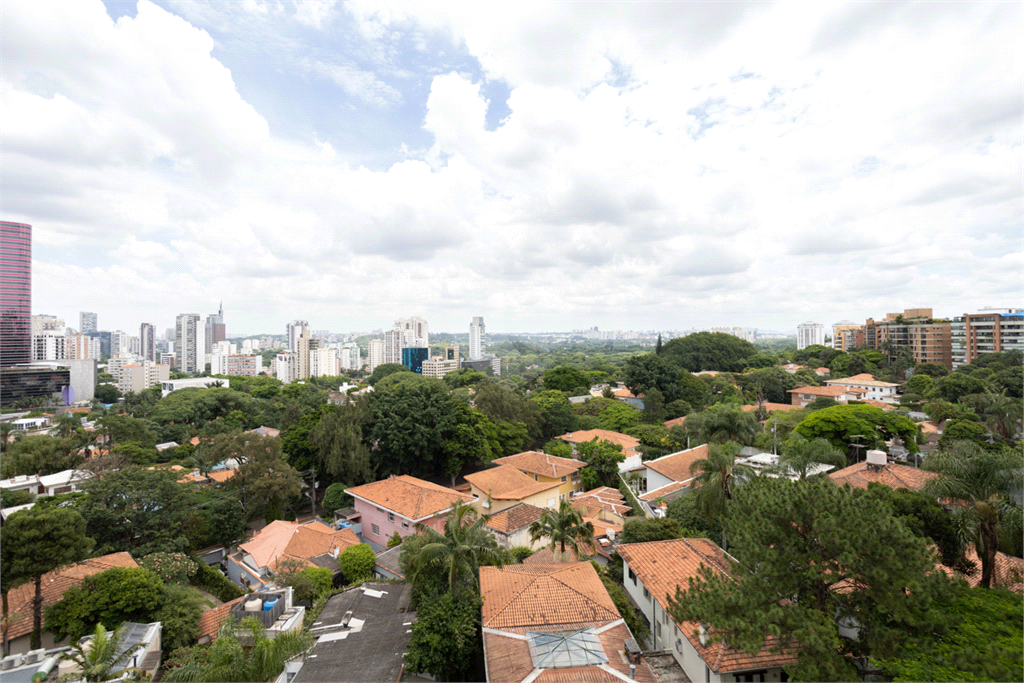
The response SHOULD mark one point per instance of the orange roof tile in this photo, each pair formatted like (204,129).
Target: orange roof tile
(893,476)
(546,555)
(281,539)
(508,483)
(601,498)
(626,393)
(543,464)
(221,476)
(409,497)
(676,466)
(663,565)
(1008,572)
(928,427)
(210,620)
(771,406)
(54,585)
(515,517)
(521,596)
(829,391)
(669,424)
(627,442)
(663,491)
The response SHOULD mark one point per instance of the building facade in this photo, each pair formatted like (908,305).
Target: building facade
(990,330)
(415,332)
(285,367)
(82,347)
(375,355)
(809,334)
(49,346)
(142,375)
(477,332)
(87,322)
(190,343)
(293,331)
(147,342)
(413,358)
(929,340)
(15,293)
(215,329)
(393,346)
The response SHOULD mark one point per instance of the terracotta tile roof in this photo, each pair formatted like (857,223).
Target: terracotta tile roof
(831,392)
(409,497)
(893,476)
(663,565)
(54,585)
(862,377)
(602,498)
(676,466)
(514,518)
(879,404)
(221,476)
(771,406)
(669,424)
(543,464)
(264,431)
(823,371)
(210,620)
(601,527)
(663,491)
(524,596)
(792,366)
(627,442)
(928,427)
(508,483)
(1008,572)
(281,539)
(546,556)
(626,393)
(862,380)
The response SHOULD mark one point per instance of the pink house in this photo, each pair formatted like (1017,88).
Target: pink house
(398,504)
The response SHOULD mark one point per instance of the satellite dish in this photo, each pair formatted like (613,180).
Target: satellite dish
(68,395)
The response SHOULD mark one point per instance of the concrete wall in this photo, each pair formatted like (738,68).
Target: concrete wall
(83,378)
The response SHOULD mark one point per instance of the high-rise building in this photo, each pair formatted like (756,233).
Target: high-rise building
(375,354)
(141,375)
(82,347)
(47,323)
(215,328)
(990,330)
(284,367)
(929,340)
(323,362)
(87,323)
(169,335)
(393,346)
(477,333)
(293,331)
(306,346)
(49,345)
(414,331)
(809,334)
(189,343)
(119,342)
(746,335)
(844,334)
(413,358)
(147,342)
(15,293)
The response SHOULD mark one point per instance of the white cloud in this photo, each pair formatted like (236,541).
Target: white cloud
(362,84)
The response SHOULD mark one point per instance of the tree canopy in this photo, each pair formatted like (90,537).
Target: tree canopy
(709,351)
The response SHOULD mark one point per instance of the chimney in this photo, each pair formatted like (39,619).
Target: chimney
(632,671)
(610,534)
(703,635)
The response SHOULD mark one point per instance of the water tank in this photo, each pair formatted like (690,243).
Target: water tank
(254,605)
(877,458)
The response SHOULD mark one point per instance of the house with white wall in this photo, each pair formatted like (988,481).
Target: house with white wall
(651,572)
(874,389)
(664,479)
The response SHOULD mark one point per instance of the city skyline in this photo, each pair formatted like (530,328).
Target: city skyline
(682,166)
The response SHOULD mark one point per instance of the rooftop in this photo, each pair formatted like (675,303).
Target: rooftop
(830,391)
(409,497)
(676,466)
(508,483)
(514,518)
(281,539)
(893,476)
(543,464)
(864,379)
(627,442)
(769,407)
(601,498)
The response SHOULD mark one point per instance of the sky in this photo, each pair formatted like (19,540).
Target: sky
(549,166)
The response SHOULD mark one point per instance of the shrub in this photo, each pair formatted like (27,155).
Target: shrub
(321,578)
(215,583)
(394,540)
(357,562)
(520,553)
(170,567)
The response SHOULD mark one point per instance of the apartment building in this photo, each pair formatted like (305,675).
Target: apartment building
(81,347)
(49,345)
(809,334)
(375,355)
(929,340)
(141,375)
(990,330)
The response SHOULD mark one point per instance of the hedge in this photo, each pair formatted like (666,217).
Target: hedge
(213,582)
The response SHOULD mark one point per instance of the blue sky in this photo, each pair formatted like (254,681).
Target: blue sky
(546,165)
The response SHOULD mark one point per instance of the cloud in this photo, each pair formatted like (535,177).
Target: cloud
(362,84)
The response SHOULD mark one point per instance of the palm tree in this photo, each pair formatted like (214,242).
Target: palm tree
(203,458)
(724,422)
(984,481)
(717,477)
(464,546)
(103,653)
(243,652)
(1002,413)
(67,424)
(565,528)
(800,455)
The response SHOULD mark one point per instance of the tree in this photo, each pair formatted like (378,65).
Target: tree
(410,421)
(1002,414)
(34,542)
(693,522)
(567,379)
(918,384)
(242,652)
(110,598)
(933,370)
(800,456)
(10,499)
(40,455)
(723,422)
(179,617)
(648,371)
(556,411)
(338,440)
(709,351)
(962,430)
(446,636)
(473,439)
(939,411)
(840,557)
(647,530)
(502,405)
(564,528)
(678,408)
(716,478)
(264,477)
(840,423)
(383,370)
(602,458)
(955,386)
(456,554)
(619,416)
(357,562)
(335,498)
(396,539)
(986,483)
(107,394)
(105,652)
(654,407)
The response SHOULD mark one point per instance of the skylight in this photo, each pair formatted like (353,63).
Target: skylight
(563,649)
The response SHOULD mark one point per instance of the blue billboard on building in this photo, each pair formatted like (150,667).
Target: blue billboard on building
(413,357)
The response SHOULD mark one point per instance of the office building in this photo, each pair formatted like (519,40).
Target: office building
(414,332)
(393,346)
(809,334)
(929,340)
(15,293)
(147,342)
(413,358)
(87,323)
(477,333)
(215,328)
(293,331)
(47,323)
(439,367)
(990,330)
(32,381)
(82,347)
(189,343)
(375,354)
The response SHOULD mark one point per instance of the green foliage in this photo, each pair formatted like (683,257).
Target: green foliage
(720,423)
(567,379)
(619,417)
(383,370)
(839,423)
(136,453)
(9,499)
(295,441)
(512,437)
(646,530)
(932,370)
(179,616)
(357,562)
(110,598)
(215,583)
(269,480)
(446,636)
(626,610)
(762,360)
(337,439)
(678,408)
(693,522)
(454,556)
(709,351)
(335,498)
(649,434)
(106,393)
(558,448)
(718,477)
(464,377)
(556,412)
(602,458)
(821,403)
(954,386)
(473,439)
(694,391)
(772,383)
(170,567)
(805,540)
(940,411)
(919,384)
(651,371)
(520,553)
(396,539)
(504,406)
(321,578)
(98,658)
(800,456)
(962,430)
(39,455)
(564,530)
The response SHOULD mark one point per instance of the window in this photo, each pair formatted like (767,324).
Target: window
(381,510)
(375,530)
(405,524)
(536,478)
(564,479)
(679,646)
(647,594)
(391,517)
(632,577)
(658,629)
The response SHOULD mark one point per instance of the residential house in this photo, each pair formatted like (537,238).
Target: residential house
(791,368)
(146,659)
(669,424)
(667,477)
(1008,572)
(804,396)
(651,573)
(548,468)
(313,544)
(54,585)
(821,372)
(387,565)
(770,407)
(876,390)
(274,609)
(606,536)
(45,484)
(398,504)
(265,431)
(892,475)
(604,503)
(511,526)
(503,486)
(630,445)
(548,623)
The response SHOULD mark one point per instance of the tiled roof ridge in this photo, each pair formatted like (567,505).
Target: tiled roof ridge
(586,597)
(512,599)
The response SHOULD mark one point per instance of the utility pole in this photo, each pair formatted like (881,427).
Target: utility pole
(775,436)
(857,445)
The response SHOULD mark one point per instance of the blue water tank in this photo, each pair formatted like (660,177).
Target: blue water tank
(269,604)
